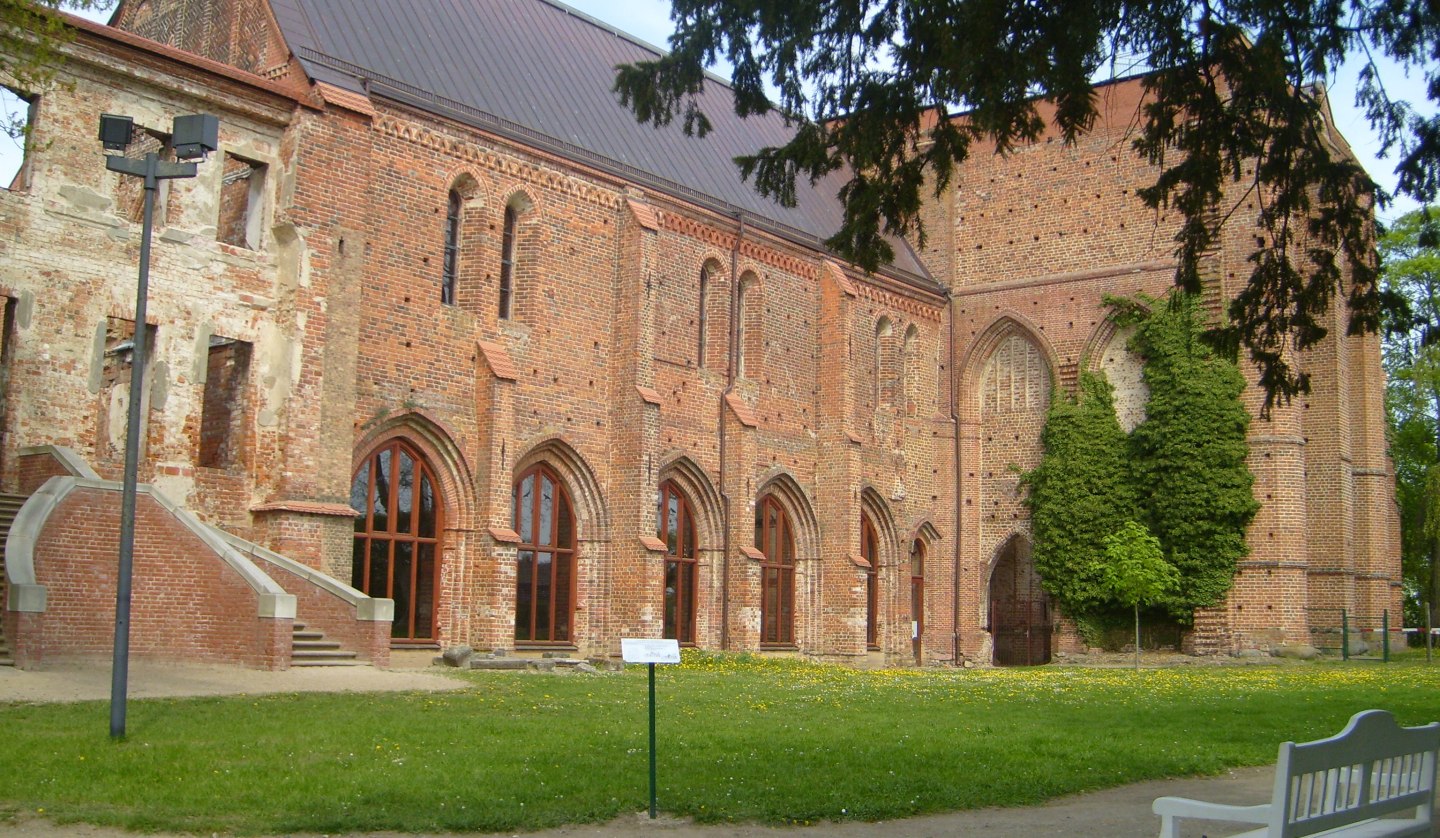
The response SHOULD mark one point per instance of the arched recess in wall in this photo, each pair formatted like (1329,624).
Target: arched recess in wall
(1018,610)
(1108,352)
(882,395)
(911,372)
(407,483)
(881,582)
(521,245)
(688,522)
(749,327)
(1002,335)
(920,547)
(466,239)
(1010,374)
(787,534)
(711,314)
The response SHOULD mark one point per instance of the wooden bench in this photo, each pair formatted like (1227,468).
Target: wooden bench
(1354,783)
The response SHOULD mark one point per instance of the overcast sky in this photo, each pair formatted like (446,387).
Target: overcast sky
(649,20)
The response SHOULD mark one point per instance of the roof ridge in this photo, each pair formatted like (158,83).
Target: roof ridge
(659,51)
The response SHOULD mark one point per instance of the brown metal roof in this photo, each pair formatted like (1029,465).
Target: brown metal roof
(541,72)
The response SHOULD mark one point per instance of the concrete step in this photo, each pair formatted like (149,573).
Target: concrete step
(308,647)
(306,662)
(322,654)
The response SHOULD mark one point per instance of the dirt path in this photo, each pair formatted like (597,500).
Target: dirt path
(1112,813)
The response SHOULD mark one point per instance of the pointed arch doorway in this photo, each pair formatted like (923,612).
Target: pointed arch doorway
(1020,625)
(397,539)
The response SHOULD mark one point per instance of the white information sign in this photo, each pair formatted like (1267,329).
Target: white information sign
(646,650)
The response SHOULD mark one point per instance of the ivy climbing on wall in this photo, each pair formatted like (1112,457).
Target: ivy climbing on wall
(1181,472)
(1080,493)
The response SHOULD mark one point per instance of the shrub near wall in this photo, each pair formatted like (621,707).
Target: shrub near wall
(1188,456)
(1080,493)
(1181,472)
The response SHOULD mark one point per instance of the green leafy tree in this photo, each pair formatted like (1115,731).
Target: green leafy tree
(1079,494)
(1410,256)
(1189,453)
(1136,571)
(30,38)
(1234,113)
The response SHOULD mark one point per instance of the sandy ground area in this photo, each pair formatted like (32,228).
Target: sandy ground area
(1113,813)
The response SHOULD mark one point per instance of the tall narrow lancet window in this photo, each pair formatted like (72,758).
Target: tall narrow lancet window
(870,552)
(545,558)
(882,384)
(677,529)
(775,539)
(917,595)
(452,250)
(397,539)
(701,321)
(507,265)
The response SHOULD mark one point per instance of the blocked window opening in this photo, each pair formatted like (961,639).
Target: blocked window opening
(20,110)
(452,250)
(222,410)
(240,201)
(112,413)
(507,264)
(130,190)
(702,321)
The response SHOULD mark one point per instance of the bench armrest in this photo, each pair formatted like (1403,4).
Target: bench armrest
(1171,809)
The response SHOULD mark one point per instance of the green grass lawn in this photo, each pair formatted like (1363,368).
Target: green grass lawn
(774,741)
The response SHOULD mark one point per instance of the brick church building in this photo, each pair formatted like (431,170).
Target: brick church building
(448,349)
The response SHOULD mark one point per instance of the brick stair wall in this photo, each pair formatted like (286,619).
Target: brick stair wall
(9,506)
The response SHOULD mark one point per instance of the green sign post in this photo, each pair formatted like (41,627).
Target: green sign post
(650,652)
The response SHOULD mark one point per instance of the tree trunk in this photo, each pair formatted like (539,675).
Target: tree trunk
(1137,637)
(1433,595)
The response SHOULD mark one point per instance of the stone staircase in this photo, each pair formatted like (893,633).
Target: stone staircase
(9,506)
(310,648)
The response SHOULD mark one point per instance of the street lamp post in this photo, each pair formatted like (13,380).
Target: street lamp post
(193,138)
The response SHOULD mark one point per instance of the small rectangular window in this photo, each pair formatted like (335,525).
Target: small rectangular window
(241,190)
(20,110)
(222,408)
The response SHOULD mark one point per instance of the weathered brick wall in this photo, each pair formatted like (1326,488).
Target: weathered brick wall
(843,404)
(1039,237)
(69,259)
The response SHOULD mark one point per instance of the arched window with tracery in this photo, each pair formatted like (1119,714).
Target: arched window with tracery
(910,371)
(676,527)
(545,558)
(451,265)
(870,552)
(775,539)
(397,539)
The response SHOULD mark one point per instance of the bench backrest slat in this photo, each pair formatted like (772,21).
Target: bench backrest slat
(1370,769)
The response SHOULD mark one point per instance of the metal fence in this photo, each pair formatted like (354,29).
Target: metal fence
(1351,635)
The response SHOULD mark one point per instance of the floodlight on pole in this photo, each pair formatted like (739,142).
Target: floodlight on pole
(194,138)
